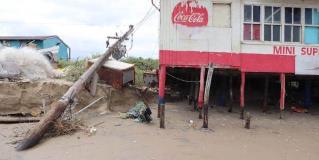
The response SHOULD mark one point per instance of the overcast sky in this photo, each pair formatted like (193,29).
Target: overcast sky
(82,24)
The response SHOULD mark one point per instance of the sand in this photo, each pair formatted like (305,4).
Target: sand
(295,137)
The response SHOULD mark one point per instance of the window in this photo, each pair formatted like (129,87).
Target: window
(292,24)
(251,22)
(272,24)
(218,10)
(311,26)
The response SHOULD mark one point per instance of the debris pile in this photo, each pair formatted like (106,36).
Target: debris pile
(25,63)
(140,112)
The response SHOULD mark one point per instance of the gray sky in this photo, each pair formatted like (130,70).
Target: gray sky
(83,24)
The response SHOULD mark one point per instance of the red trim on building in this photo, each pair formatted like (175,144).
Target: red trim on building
(247,62)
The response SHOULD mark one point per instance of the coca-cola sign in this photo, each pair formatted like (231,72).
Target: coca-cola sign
(190,13)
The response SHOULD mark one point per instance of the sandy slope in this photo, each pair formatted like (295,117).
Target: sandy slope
(294,138)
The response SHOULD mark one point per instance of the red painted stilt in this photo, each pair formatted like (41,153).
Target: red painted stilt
(242,94)
(161,100)
(201,91)
(282,93)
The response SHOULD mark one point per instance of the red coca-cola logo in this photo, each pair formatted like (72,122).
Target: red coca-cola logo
(190,13)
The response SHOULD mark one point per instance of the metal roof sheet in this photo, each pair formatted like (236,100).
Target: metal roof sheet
(114,64)
(26,37)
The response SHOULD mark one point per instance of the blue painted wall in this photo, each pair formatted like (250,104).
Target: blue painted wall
(64,50)
(19,43)
(47,43)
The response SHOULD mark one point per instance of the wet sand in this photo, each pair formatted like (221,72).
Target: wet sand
(295,137)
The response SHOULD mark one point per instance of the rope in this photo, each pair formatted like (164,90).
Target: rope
(186,81)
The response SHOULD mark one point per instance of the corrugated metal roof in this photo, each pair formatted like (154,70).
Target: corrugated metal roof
(114,64)
(27,37)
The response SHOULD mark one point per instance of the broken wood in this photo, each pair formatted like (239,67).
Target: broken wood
(206,95)
(93,84)
(88,106)
(57,108)
(11,119)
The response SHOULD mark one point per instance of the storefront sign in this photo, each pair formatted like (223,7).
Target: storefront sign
(292,50)
(190,13)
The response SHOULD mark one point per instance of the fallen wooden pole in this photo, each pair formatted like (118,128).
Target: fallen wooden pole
(57,108)
(11,119)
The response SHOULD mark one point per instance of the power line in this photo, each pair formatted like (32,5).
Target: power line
(183,80)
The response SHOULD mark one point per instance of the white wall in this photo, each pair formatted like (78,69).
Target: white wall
(228,39)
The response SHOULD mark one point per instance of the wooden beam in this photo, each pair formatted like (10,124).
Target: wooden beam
(201,91)
(11,119)
(58,107)
(206,96)
(282,93)
(93,84)
(242,94)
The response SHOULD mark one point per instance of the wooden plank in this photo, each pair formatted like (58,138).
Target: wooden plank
(93,84)
(11,119)
(206,95)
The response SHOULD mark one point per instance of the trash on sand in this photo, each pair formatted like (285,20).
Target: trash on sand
(192,124)
(299,109)
(140,112)
(92,130)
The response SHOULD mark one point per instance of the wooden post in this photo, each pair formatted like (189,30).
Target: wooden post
(282,93)
(206,96)
(196,95)
(265,104)
(201,91)
(242,94)
(231,94)
(58,107)
(93,84)
(161,100)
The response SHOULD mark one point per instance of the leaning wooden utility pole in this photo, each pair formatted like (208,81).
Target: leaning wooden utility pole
(58,107)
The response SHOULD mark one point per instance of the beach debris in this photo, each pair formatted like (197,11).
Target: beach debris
(140,112)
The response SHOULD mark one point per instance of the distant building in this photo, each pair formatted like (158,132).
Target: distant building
(39,42)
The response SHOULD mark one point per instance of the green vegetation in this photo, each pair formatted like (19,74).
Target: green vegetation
(72,69)
(141,65)
(75,68)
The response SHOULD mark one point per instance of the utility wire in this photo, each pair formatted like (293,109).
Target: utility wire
(183,80)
